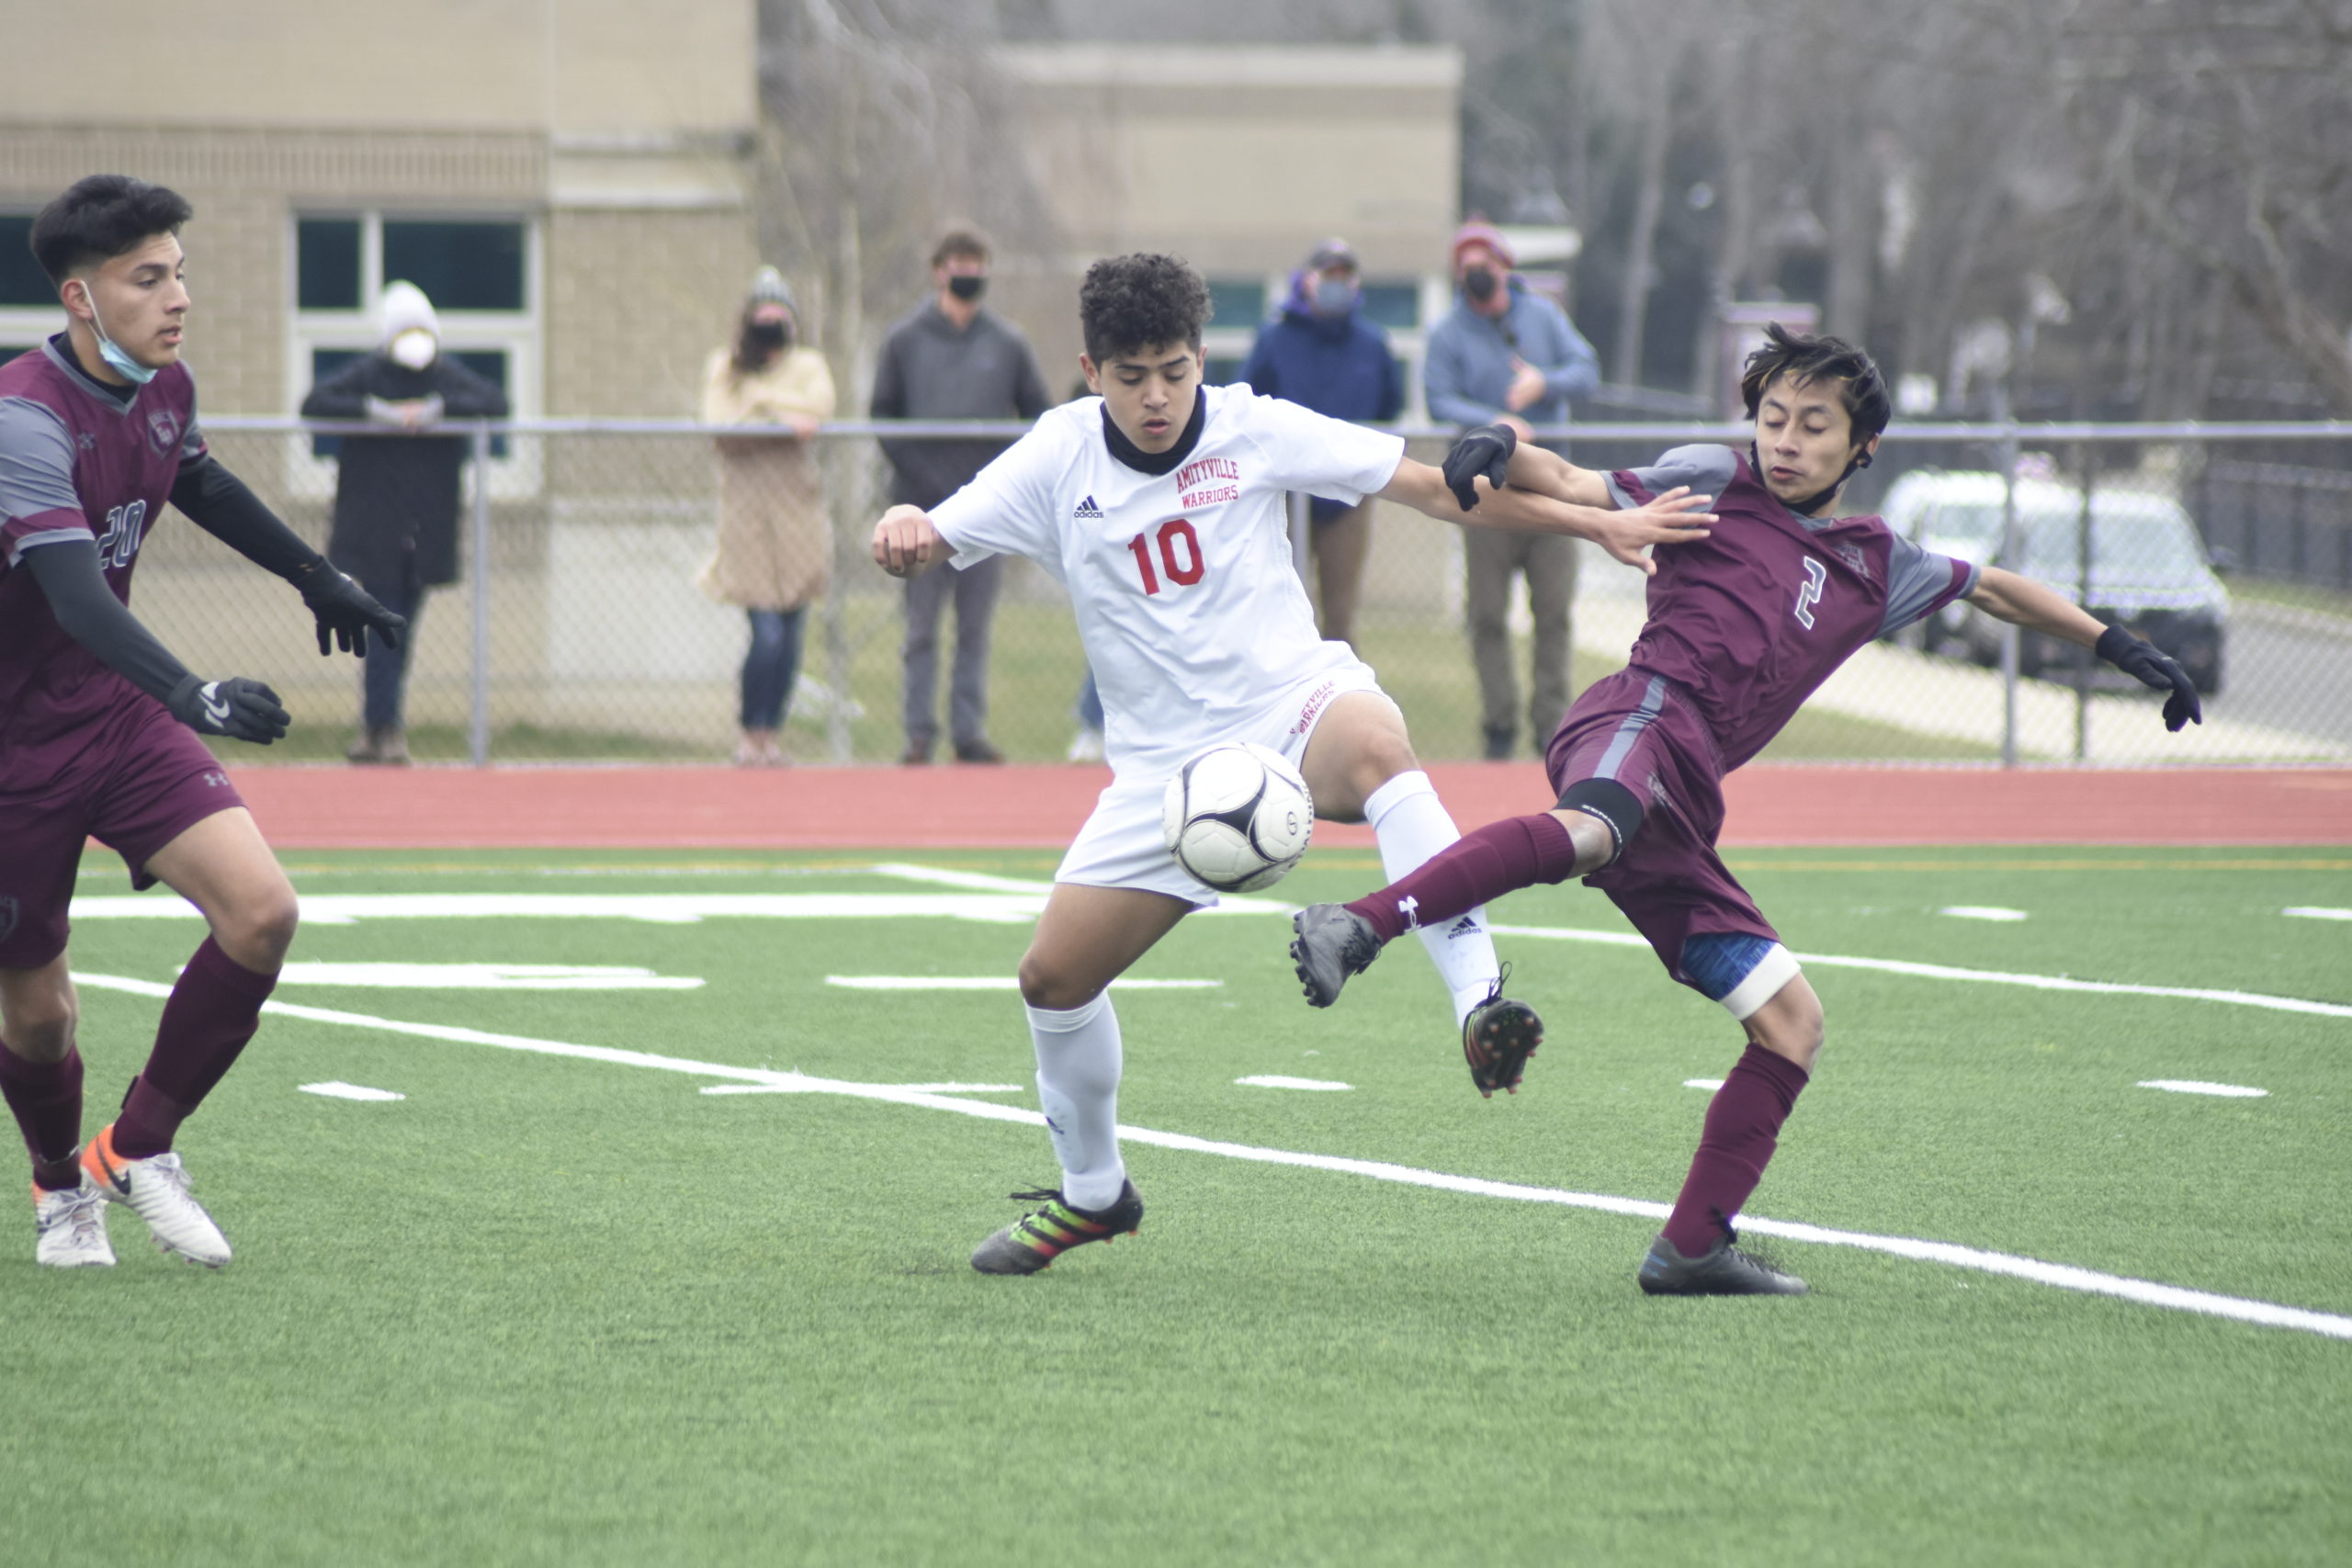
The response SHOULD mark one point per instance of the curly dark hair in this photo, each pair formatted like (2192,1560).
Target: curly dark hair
(1802,358)
(100,216)
(1140,301)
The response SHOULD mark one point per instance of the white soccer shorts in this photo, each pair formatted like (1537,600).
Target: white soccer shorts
(1121,844)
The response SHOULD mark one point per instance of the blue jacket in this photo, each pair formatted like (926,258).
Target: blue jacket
(1468,368)
(1338,366)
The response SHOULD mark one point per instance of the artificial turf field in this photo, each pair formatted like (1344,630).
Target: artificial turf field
(569,1309)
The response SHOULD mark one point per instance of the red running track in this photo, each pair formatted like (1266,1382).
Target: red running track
(936,807)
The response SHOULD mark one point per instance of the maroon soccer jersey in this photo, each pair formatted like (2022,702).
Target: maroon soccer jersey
(77,461)
(1750,620)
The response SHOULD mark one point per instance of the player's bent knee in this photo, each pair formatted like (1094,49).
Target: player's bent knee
(256,932)
(1046,988)
(1611,805)
(39,1012)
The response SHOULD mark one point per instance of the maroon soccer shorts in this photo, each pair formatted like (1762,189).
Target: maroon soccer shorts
(1641,730)
(140,780)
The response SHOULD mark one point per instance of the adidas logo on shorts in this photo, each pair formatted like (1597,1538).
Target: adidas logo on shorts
(1087,509)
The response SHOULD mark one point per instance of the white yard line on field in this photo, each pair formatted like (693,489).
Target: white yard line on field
(2145,1291)
(1021,908)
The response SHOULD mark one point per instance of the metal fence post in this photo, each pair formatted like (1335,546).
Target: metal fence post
(2007,558)
(2083,597)
(478,726)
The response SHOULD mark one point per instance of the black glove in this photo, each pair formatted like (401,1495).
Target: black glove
(1483,450)
(345,611)
(2144,664)
(238,708)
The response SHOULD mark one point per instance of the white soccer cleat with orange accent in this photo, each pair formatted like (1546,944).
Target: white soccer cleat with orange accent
(155,1188)
(70,1228)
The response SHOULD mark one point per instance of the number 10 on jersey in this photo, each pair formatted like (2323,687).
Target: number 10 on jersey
(1182,566)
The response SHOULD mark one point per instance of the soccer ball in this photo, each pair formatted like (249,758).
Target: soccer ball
(1237,816)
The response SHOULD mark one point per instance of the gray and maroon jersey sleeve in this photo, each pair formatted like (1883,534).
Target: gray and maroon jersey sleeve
(1919,582)
(1706,470)
(38,504)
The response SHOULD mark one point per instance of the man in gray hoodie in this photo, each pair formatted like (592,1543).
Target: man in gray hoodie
(1505,355)
(952,359)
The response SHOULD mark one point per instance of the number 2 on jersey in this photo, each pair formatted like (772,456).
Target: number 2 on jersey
(1183,573)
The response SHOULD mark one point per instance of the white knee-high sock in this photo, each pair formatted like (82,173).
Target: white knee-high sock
(1078,1089)
(1412,824)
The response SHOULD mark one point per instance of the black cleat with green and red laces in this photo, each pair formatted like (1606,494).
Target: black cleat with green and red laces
(1045,1233)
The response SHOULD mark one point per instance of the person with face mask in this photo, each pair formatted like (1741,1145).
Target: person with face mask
(397,495)
(1506,355)
(951,358)
(774,551)
(1321,352)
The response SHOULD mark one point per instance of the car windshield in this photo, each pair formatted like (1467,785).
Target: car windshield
(2136,540)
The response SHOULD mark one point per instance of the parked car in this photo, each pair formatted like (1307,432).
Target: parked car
(2147,568)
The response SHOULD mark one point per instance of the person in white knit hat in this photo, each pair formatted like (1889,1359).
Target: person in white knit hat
(396,499)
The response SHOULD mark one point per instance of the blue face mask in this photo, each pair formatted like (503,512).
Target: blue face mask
(121,364)
(1334,297)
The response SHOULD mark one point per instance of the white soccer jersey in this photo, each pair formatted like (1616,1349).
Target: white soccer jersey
(1191,611)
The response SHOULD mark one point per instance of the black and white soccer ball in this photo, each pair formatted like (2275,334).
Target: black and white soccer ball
(1237,816)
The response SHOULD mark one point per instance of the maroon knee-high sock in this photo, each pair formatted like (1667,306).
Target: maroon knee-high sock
(1498,858)
(212,1012)
(46,1098)
(1743,1128)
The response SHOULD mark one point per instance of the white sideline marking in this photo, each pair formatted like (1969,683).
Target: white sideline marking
(1981,912)
(335,1088)
(993,983)
(803,1088)
(1982,977)
(2192,1086)
(2146,1291)
(1016,909)
(1710,1084)
(2311,912)
(486,977)
(1275,1080)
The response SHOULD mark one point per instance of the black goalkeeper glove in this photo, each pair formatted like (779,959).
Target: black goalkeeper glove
(345,611)
(238,708)
(2144,664)
(1486,450)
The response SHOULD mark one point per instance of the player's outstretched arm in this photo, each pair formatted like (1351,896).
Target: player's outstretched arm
(218,502)
(70,578)
(905,543)
(2006,596)
(1676,517)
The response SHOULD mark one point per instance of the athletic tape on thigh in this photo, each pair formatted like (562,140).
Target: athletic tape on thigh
(1775,969)
(1618,809)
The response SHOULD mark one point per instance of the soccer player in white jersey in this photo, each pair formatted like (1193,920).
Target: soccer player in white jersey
(1159,505)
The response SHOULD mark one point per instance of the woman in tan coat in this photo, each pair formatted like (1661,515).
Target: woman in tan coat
(774,553)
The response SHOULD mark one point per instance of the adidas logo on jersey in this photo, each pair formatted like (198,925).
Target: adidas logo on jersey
(1087,509)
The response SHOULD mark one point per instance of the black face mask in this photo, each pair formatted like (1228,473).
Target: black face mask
(966,285)
(768,334)
(1480,284)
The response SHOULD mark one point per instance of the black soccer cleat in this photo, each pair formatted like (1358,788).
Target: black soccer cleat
(1333,942)
(1036,1238)
(1724,1271)
(1497,1039)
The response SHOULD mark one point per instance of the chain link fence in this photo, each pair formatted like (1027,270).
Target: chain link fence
(577,632)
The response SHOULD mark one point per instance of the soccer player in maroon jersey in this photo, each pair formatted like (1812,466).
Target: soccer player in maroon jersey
(1745,622)
(98,721)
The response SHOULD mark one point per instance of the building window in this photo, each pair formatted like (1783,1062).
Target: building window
(481,275)
(29,306)
(1397,306)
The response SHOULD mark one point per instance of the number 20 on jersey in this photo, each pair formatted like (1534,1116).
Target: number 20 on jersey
(1179,549)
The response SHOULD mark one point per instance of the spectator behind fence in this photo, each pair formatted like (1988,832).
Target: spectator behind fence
(952,359)
(1506,355)
(396,497)
(1321,352)
(774,551)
